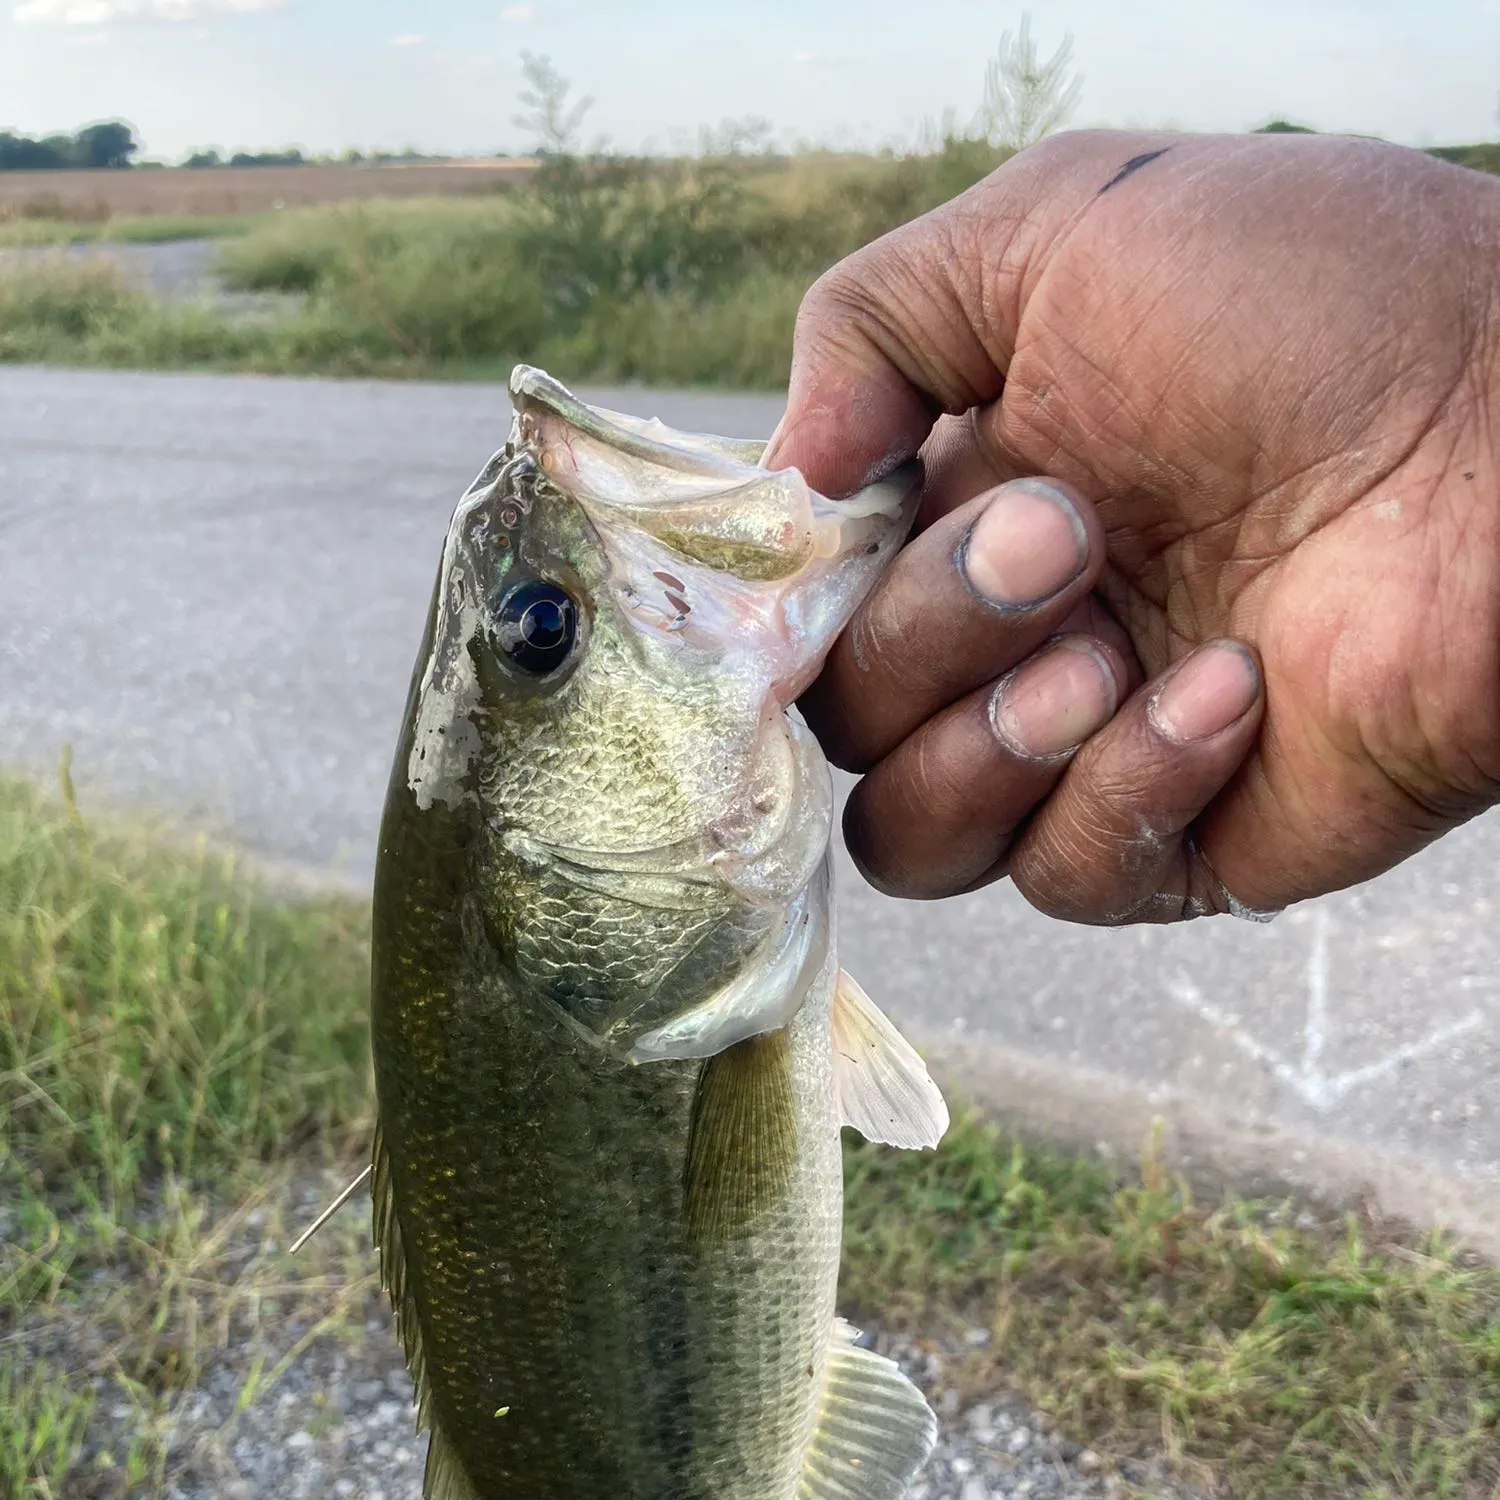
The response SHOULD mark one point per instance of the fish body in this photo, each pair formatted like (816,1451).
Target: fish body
(613,1046)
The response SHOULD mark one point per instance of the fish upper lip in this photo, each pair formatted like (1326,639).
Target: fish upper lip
(531,388)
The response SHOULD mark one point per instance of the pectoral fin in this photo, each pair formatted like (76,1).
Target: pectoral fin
(885,1091)
(873,1429)
(743,1142)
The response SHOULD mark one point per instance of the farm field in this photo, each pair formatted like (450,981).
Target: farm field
(84,196)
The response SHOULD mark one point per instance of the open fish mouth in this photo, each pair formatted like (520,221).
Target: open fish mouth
(707,546)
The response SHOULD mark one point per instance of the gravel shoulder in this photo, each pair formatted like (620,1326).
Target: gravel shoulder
(293,1388)
(339,1421)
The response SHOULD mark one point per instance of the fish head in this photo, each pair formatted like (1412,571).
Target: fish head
(624,616)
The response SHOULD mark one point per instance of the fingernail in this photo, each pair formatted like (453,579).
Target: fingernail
(1215,686)
(1053,703)
(1028,545)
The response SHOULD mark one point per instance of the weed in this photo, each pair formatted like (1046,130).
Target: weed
(1269,1360)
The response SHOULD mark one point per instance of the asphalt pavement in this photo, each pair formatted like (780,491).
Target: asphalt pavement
(212,587)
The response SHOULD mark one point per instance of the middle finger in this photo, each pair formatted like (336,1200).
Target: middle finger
(973,595)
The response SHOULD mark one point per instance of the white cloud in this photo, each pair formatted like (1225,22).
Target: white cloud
(102,12)
(526,12)
(408,39)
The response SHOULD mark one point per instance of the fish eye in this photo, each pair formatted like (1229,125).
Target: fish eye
(535,625)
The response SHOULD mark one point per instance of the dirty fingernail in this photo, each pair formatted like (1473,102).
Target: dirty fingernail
(1215,686)
(1053,703)
(1028,545)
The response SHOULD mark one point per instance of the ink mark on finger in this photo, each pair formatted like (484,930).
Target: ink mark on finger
(1133,165)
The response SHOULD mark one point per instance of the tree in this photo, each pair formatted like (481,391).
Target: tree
(110,144)
(1024,97)
(550,118)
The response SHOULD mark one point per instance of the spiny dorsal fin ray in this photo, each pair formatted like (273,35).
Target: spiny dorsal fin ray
(885,1091)
(444,1478)
(743,1142)
(873,1430)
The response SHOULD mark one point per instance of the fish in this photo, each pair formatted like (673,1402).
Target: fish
(613,1046)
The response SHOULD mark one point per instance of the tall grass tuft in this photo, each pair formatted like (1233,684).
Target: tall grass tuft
(62,309)
(162,1010)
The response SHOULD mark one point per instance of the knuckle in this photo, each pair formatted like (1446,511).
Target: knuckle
(1091,863)
(848,299)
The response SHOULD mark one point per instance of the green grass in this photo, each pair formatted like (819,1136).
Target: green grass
(1267,1359)
(1484,158)
(64,310)
(163,1012)
(167,1027)
(178,1038)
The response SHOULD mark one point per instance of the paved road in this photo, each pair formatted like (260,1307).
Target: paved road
(213,587)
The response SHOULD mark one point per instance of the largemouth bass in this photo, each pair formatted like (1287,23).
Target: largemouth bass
(613,1046)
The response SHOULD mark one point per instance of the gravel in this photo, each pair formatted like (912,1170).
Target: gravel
(331,1412)
(339,1423)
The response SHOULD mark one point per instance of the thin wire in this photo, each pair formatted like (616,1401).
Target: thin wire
(331,1210)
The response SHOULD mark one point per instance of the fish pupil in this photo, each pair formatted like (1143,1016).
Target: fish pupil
(536,624)
(545,624)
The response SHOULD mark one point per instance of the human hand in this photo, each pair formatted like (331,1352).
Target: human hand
(1262,376)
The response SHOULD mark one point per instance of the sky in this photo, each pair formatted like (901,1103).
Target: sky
(443,76)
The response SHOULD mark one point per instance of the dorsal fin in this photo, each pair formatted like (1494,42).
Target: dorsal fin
(444,1477)
(873,1430)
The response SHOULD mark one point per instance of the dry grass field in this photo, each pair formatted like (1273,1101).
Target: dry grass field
(84,197)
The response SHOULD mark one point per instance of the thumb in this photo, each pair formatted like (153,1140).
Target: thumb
(925,320)
(885,342)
